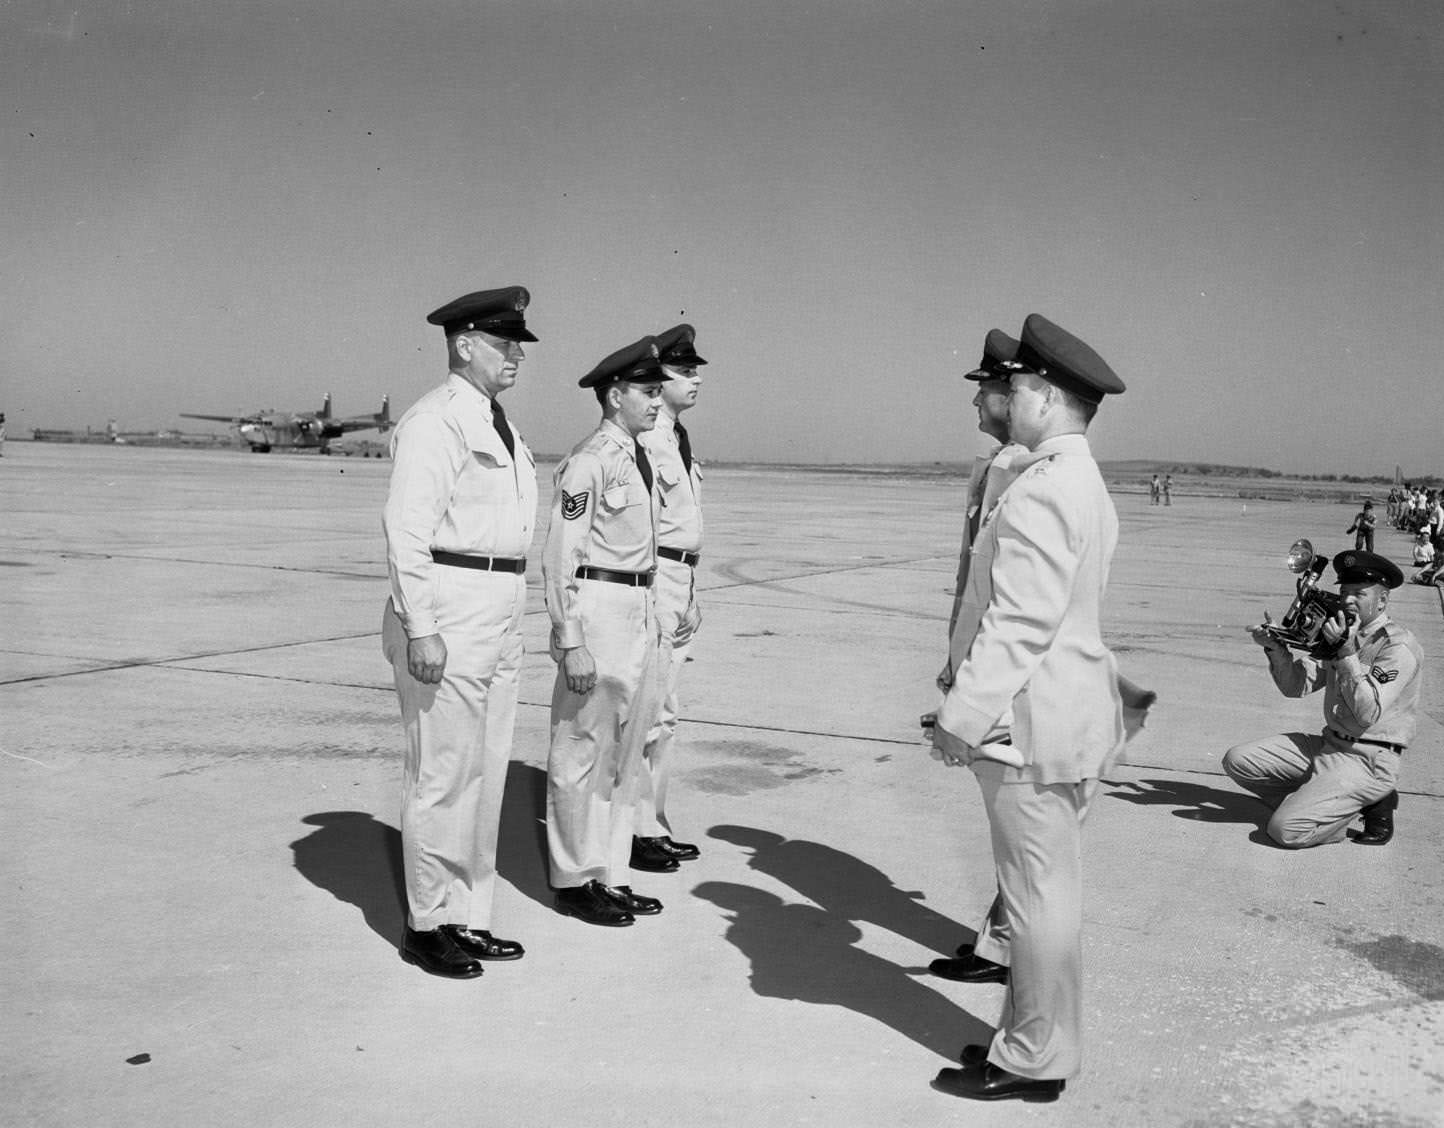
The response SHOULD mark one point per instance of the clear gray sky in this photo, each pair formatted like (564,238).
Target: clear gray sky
(223,207)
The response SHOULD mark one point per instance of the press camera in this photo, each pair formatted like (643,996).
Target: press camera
(1302,625)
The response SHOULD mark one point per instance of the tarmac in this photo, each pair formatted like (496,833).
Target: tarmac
(200,753)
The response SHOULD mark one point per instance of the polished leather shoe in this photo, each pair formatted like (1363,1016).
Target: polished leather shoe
(435,951)
(649,856)
(682,851)
(481,944)
(1379,821)
(594,904)
(623,896)
(989,1083)
(970,969)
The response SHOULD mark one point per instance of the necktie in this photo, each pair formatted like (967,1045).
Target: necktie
(685,444)
(977,514)
(643,465)
(498,420)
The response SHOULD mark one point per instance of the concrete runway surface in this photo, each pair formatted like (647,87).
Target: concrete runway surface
(201,753)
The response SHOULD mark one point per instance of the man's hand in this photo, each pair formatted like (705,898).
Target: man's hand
(426,658)
(1260,633)
(945,677)
(579,669)
(1340,634)
(949,749)
(691,622)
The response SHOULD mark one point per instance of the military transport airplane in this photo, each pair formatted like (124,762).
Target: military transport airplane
(304,429)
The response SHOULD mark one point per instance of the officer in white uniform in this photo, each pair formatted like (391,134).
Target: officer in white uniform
(1372,675)
(459,519)
(598,566)
(679,548)
(1034,707)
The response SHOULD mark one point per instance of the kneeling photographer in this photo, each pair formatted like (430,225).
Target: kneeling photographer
(1370,669)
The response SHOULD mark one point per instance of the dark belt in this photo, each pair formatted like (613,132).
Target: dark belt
(1365,740)
(688,558)
(480,563)
(607,575)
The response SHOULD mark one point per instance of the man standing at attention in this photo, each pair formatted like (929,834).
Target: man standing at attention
(1034,706)
(598,568)
(459,519)
(679,548)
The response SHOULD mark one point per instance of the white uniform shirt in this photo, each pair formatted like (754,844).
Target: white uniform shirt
(679,521)
(453,487)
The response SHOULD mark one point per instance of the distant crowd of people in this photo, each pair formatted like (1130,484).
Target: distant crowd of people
(1414,509)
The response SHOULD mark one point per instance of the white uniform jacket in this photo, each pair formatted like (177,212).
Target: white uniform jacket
(1027,650)
(453,487)
(992,473)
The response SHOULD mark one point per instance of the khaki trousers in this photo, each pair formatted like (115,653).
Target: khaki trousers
(1315,782)
(596,739)
(458,744)
(674,596)
(1035,927)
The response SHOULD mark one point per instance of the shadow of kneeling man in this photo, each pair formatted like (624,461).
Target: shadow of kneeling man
(808,954)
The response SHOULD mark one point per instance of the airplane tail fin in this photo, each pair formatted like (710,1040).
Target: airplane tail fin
(383,417)
(326,407)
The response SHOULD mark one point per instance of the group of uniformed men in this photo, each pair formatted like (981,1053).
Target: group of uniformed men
(624,539)
(1032,701)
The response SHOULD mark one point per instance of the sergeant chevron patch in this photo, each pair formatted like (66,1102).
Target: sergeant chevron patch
(1383,675)
(574,505)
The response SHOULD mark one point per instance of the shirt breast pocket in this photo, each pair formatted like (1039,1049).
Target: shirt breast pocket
(619,498)
(488,479)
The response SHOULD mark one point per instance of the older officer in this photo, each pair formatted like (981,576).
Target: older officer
(459,519)
(598,566)
(1034,706)
(679,548)
(1372,677)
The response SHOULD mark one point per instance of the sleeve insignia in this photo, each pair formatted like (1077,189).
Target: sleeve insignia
(574,505)
(1379,674)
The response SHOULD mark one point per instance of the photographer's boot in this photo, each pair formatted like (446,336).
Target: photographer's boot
(1379,821)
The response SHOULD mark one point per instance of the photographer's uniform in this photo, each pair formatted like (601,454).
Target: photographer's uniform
(1318,782)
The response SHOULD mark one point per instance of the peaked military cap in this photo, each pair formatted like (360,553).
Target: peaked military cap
(999,362)
(498,312)
(1356,567)
(1061,358)
(638,362)
(676,347)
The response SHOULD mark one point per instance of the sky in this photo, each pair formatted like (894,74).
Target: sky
(1239,203)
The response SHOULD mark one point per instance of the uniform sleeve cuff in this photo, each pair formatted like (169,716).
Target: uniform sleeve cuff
(568,635)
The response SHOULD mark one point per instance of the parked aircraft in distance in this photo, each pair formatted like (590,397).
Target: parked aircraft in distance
(267,429)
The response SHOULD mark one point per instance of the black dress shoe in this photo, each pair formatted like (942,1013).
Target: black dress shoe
(592,903)
(973,1055)
(435,951)
(989,1083)
(623,896)
(682,851)
(1379,821)
(970,969)
(649,856)
(482,944)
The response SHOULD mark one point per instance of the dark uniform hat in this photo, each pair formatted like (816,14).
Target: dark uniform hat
(676,347)
(637,362)
(1367,568)
(498,312)
(1062,359)
(999,358)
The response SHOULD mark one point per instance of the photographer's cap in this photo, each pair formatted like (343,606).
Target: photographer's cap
(1061,358)
(1367,568)
(1000,361)
(636,362)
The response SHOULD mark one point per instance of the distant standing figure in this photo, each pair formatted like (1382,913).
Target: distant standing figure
(1363,528)
(1155,490)
(2,434)
(1168,489)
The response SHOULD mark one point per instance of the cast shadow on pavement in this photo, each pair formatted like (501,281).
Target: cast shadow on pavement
(1195,801)
(357,858)
(806,953)
(846,887)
